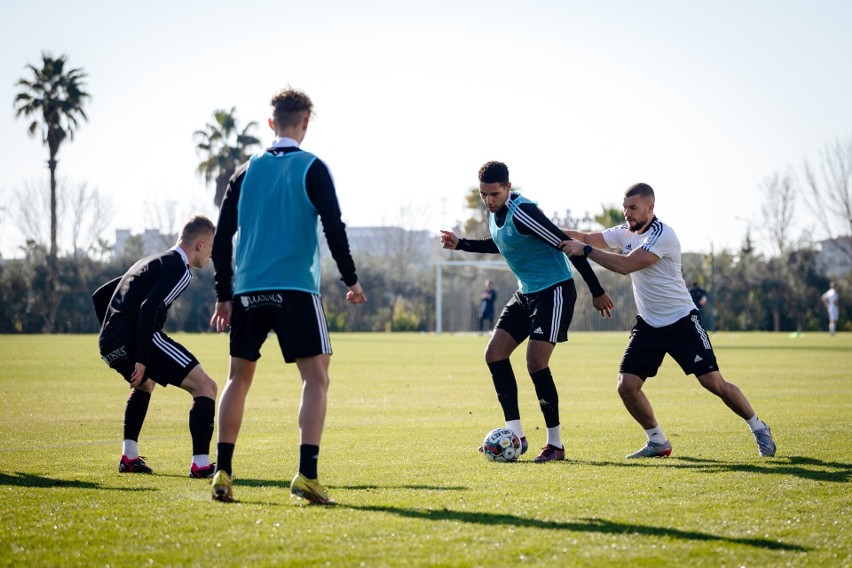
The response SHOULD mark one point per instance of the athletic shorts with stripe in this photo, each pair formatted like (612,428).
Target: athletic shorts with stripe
(685,340)
(544,315)
(169,362)
(296,317)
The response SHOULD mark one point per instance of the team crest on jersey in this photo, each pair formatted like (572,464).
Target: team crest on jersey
(628,248)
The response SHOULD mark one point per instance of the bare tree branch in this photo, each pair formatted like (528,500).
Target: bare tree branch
(779,206)
(829,191)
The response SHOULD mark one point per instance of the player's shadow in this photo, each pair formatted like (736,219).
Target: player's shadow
(285,484)
(20,479)
(587,525)
(797,466)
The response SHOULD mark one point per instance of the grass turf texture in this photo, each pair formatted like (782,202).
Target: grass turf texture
(406,414)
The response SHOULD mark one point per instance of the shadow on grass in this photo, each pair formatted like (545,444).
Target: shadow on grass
(19,479)
(285,484)
(797,466)
(589,525)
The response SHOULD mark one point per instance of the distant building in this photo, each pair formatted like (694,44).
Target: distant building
(365,241)
(835,257)
(153,241)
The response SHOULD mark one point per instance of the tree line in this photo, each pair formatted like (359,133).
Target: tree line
(49,292)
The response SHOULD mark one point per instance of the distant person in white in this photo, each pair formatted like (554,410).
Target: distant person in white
(830,301)
(668,320)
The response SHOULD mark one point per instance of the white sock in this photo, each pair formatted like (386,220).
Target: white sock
(554,438)
(130,449)
(831,328)
(755,423)
(656,435)
(515,426)
(201,460)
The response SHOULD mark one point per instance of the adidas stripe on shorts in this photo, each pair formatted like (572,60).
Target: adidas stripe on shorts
(685,340)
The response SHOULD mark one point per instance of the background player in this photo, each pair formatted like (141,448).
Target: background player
(486,306)
(667,322)
(133,310)
(541,309)
(829,300)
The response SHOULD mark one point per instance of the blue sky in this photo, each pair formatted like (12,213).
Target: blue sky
(703,100)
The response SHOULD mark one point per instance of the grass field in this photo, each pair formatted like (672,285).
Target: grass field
(407,412)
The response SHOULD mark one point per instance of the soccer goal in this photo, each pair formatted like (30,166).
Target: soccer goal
(458,291)
(459,286)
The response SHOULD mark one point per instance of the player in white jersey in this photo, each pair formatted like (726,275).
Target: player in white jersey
(667,322)
(830,301)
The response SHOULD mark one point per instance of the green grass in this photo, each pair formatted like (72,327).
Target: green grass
(406,415)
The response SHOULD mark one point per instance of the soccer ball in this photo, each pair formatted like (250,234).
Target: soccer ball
(501,445)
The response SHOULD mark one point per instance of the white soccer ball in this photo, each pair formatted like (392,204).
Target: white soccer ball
(501,445)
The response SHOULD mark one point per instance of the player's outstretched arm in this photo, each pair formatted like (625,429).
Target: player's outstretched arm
(449,240)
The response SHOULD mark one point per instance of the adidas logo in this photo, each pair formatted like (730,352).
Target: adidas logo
(538,330)
(697,359)
(628,248)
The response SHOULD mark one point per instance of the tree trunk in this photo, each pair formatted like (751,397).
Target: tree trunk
(52,301)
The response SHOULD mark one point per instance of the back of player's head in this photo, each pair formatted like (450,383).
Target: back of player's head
(640,189)
(289,107)
(494,172)
(197,226)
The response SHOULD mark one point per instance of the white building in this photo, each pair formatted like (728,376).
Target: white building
(835,257)
(152,241)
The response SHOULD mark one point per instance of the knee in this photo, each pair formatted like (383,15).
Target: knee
(628,385)
(713,382)
(207,387)
(318,381)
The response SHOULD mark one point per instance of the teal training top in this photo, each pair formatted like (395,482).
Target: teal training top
(280,251)
(536,264)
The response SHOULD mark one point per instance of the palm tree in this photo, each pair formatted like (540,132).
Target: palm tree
(54,99)
(223,148)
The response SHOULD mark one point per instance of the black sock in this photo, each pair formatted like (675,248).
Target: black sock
(134,413)
(201,415)
(506,387)
(308,457)
(224,455)
(548,398)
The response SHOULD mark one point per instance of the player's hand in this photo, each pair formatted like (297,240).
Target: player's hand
(222,316)
(449,240)
(356,295)
(603,304)
(572,247)
(137,377)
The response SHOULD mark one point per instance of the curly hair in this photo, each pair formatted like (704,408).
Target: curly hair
(494,172)
(288,106)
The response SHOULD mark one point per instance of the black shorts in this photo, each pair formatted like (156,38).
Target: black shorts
(169,363)
(544,315)
(685,340)
(296,317)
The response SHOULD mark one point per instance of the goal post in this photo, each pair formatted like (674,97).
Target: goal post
(459,285)
(458,291)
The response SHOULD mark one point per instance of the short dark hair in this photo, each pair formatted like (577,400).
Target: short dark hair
(288,106)
(195,227)
(494,172)
(640,189)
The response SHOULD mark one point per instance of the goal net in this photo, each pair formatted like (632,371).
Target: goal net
(460,283)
